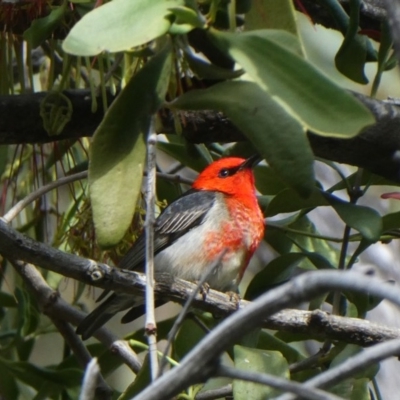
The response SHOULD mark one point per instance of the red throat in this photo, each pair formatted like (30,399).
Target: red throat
(239,185)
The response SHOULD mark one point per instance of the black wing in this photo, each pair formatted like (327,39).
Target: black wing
(179,217)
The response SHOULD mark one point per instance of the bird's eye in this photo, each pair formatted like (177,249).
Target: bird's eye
(224,173)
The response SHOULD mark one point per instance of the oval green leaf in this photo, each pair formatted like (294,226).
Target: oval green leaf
(118,151)
(277,136)
(318,103)
(120,25)
(363,219)
(254,360)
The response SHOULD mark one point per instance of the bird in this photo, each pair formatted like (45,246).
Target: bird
(218,217)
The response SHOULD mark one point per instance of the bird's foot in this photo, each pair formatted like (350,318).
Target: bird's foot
(235,298)
(204,289)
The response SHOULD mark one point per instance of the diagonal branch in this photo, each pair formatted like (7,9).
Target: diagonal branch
(57,309)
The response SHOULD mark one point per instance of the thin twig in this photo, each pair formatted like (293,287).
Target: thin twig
(276,382)
(213,394)
(150,323)
(101,389)
(181,317)
(311,361)
(17,208)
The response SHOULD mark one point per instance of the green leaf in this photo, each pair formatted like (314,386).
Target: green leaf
(277,271)
(351,350)
(188,336)
(8,385)
(189,157)
(289,201)
(315,100)
(42,28)
(351,58)
(267,180)
(7,300)
(120,25)
(142,380)
(278,137)
(204,70)
(270,342)
(28,314)
(363,219)
(272,14)
(360,390)
(254,360)
(391,221)
(118,150)
(186,20)
(3,158)
(34,376)
(309,243)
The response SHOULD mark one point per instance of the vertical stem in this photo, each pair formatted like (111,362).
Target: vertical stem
(8,59)
(19,57)
(354,194)
(100,60)
(150,324)
(30,67)
(91,84)
(4,87)
(50,75)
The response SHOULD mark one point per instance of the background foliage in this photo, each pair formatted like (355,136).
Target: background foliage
(244,58)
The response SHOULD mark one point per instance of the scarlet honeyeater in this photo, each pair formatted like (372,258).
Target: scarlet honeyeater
(218,215)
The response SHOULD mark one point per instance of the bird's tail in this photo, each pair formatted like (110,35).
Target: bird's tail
(104,312)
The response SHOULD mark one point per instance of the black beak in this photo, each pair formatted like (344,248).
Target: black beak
(251,162)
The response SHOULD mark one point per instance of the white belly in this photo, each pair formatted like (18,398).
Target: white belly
(186,258)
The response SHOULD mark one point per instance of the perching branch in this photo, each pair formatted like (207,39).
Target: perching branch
(317,324)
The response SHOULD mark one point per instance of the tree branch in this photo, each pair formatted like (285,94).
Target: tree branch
(55,307)
(317,324)
(202,361)
(375,149)
(372,13)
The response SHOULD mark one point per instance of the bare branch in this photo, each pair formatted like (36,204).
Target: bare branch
(212,394)
(275,382)
(317,324)
(150,323)
(393,16)
(17,208)
(90,380)
(21,123)
(57,309)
